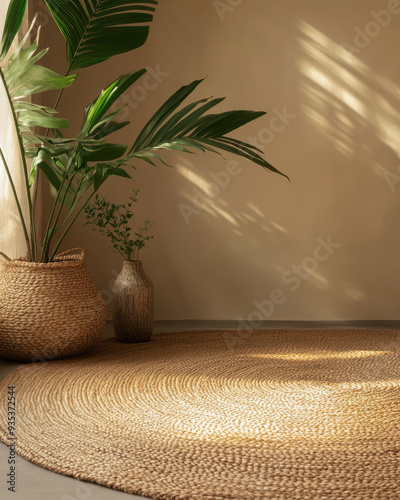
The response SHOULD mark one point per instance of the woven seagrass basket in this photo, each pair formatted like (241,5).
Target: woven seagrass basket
(49,311)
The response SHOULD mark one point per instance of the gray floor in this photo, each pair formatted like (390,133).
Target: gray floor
(35,483)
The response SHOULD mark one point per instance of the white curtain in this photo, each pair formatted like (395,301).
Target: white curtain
(12,241)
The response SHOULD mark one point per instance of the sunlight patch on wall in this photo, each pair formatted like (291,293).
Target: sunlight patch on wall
(226,215)
(318,279)
(349,102)
(193,177)
(279,227)
(255,209)
(200,190)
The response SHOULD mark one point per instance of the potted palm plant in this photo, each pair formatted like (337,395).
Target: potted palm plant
(65,314)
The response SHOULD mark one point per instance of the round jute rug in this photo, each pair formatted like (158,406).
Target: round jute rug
(270,414)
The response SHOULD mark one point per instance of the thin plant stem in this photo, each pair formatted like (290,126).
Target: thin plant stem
(123,255)
(25,168)
(74,219)
(48,237)
(37,173)
(69,227)
(57,102)
(21,215)
(48,228)
(61,202)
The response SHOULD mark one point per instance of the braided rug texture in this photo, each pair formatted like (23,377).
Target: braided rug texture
(266,414)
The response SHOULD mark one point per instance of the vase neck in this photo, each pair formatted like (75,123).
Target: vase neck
(133,264)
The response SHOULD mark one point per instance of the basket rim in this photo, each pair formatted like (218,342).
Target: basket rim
(65,259)
(66,262)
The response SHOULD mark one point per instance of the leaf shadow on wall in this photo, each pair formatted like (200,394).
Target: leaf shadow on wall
(356,112)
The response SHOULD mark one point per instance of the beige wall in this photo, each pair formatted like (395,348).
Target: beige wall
(339,145)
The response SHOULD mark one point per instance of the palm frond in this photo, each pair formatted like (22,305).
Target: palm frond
(15,14)
(23,77)
(191,128)
(95,113)
(149,130)
(96,30)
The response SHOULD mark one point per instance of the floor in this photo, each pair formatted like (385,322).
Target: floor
(35,483)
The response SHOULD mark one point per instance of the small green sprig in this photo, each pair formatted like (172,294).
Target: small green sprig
(113,221)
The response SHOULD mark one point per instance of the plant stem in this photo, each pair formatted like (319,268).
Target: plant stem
(45,247)
(122,255)
(74,219)
(77,189)
(57,102)
(61,203)
(69,227)
(25,168)
(18,204)
(63,198)
(37,174)
(48,235)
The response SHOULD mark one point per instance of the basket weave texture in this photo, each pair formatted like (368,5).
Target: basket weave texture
(49,310)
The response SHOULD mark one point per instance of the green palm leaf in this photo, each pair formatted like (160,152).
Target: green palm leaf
(94,114)
(191,128)
(39,79)
(15,14)
(23,78)
(150,129)
(96,30)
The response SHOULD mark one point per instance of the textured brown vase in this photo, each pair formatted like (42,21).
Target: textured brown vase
(133,299)
(49,311)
